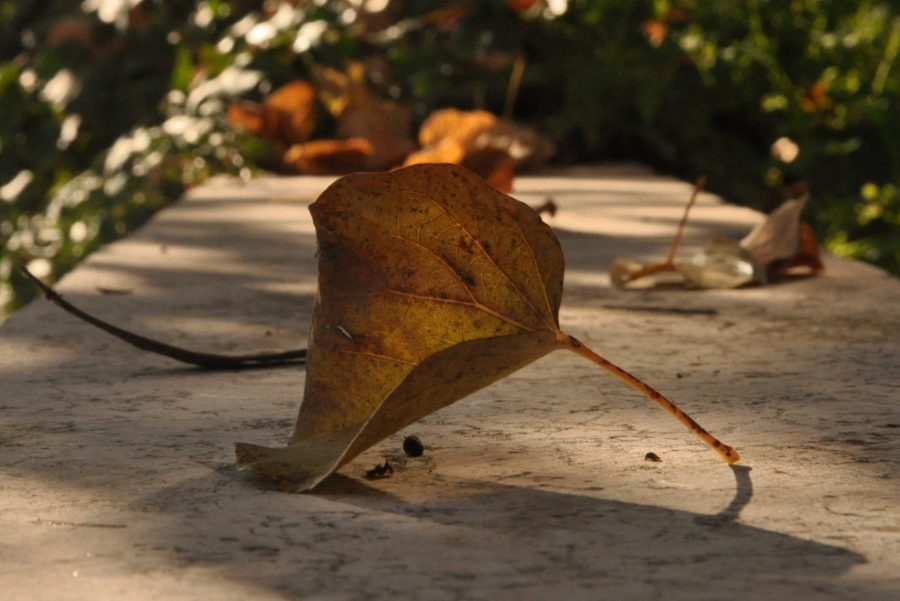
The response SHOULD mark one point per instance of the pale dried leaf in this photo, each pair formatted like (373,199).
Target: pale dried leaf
(722,264)
(776,237)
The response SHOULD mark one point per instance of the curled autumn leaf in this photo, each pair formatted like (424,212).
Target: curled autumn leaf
(432,285)
(480,141)
(777,237)
(782,243)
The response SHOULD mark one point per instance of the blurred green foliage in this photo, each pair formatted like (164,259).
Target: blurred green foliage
(111,108)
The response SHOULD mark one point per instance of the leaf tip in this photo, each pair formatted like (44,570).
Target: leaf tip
(277,465)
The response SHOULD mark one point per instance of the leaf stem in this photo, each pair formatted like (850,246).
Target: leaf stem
(669,263)
(728,454)
(670,258)
(204,360)
(650,269)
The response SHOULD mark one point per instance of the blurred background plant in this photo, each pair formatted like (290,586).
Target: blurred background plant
(112,108)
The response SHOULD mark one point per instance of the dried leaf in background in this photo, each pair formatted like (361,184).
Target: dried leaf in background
(776,245)
(386,125)
(288,115)
(359,113)
(329,157)
(495,166)
(432,285)
(480,141)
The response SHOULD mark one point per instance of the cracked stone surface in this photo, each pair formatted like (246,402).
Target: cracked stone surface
(116,467)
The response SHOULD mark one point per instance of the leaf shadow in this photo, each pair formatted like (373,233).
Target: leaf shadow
(466,538)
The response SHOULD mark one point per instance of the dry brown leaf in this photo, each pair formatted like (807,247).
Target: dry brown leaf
(287,115)
(807,254)
(479,141)
(295,102)
(386,124)
(253,117)
(329,157)
(478,130)
(495,166)
(72,30)
(432,285)
(448,18)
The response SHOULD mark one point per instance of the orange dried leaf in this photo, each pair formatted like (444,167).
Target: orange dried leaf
(253,117)
(463,126)
(329,157)
(288,115)
(432,285)
(295,104)
(479,141)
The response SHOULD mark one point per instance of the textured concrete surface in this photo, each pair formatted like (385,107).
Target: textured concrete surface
(116,477)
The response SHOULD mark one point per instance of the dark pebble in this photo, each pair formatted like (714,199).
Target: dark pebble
(413,447)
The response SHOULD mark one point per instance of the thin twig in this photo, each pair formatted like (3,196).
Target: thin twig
(670,258)
(204,360)
(515,81)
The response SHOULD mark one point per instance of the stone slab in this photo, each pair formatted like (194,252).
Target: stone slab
(116,477)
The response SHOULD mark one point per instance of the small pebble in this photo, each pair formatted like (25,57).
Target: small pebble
(413,447)
(651,456)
